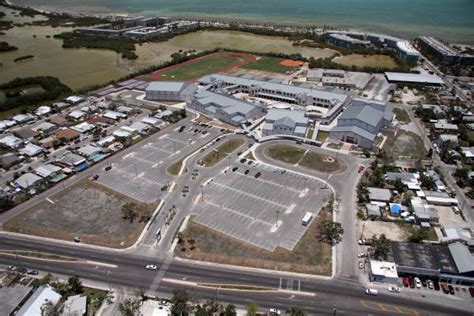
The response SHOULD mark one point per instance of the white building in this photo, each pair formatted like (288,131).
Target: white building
(42,295)
(75,305)
(11,141)
(27,181)
(169,91)
(83,127)
(383,271)
(48,170)
(31,150)
(285,122)
(77,114)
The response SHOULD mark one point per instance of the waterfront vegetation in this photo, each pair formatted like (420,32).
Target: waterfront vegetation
(123,46)
(52,90)
(5,47)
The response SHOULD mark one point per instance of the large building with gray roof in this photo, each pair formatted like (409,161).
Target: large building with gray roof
(286,122)
(169,91)
(360,123)
(225,108)
(275,91)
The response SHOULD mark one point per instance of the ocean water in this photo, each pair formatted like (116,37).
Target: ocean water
(451,20)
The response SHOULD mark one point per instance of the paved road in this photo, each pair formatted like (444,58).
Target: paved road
(129,272)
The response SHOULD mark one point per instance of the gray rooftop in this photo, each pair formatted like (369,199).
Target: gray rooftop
(462,257)
(284,88)
(176,86)
(366,114)
(356,130)
(379,194)
(296,116)
(228,104)
(11,297)
(414,78)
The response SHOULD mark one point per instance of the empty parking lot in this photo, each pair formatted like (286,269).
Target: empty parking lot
(142,173)
(267,211)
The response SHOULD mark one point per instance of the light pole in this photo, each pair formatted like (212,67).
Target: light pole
(136,172)
(202,193)
(277,213)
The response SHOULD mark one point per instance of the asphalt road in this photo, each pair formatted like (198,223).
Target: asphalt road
(348,298)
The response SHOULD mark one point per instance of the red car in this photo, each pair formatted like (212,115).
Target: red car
(406,282)
(471,291)
(361,168)
(445,288)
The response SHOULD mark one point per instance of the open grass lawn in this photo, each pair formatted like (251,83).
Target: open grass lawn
(316,161)
(95,298)
(309,256)
(221,152)
(405,144)
(285,153)
(87,210)
(402,115)
(366,61)
(305,158)
(322,136)
(410,229)
(268,64)
(199,68)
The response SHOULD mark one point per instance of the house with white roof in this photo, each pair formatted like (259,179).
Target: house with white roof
(124,109)
(114,115)
(121,134)
(152,121)
(89,151)
(77,115)
(11,141)
(47,171)
(106,141)
(75,305)
(45,127)
(31,150)
(74,99)
(468,153)
(383,271)
(4,124)
(42,110)
(27,181)
(83,127)
(22,118)
(42,295)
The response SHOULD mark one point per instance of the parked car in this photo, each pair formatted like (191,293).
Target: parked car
(430,284)
(451,289)
(445,288)
(243,160)
(274,311)
(361,168)
(417,282)
(235,169)
(406,282)
(151,267)
(32,272)
(455,210)
(258,174)
(436,285)
(361,264)
(423,282)
(412,282)
(361,255)
(394,289)
(246,171)
(471,291)
(371,292)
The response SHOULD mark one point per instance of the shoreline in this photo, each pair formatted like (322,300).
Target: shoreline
(388,29)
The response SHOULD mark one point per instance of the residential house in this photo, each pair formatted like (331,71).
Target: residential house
(27,181)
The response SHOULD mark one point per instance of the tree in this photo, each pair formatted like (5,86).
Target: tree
(179,302)
(75,285)
(381,247)
(418,235)
(252,309)
(295,311)
(49,309)
(129,211)
(399,185)
(6,203)
(330,232)
(362,192)
(130,307)
(230,310)
(427,181)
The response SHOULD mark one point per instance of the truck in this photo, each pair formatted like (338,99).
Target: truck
(307,218)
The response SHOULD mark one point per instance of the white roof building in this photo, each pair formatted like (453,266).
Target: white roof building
(138,127)
(124,109)
(42,110)
(383,271)
(27,180)
(106,141)
(89,151)
(42,295)
(83,127)
(77,114)
(45,127)
(75,305)
(31,150)
(113,115)
(4,124)
(74,99)
(121,134)
(11,141)
(21,118)
(152,121)
(47,170)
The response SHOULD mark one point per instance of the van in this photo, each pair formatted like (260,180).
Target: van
(307,218)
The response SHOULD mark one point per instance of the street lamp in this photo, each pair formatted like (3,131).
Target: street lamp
(277,213)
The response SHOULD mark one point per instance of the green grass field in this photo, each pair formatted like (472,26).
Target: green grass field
(268,64)
(402,115)
(199,68)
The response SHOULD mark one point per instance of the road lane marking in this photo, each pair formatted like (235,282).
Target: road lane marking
(50,201)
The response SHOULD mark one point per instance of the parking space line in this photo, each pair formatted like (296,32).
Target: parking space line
(237,213)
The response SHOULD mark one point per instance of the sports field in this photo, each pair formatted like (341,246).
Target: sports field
(271,64)
(196,68)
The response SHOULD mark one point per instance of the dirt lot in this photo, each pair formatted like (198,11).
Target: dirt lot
(309,255)
(391,230)
(405,144)
(87,210)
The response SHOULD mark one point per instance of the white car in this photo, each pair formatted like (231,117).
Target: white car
(151,267)
(361,264)
(417,282)
(371,292)
(430,284)
(394,289)
(361,255)
(274,311)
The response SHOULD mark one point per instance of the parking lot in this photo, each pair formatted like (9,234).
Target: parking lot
(141,174)
(265,211)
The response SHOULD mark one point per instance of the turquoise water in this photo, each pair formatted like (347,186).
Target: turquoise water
(451,20)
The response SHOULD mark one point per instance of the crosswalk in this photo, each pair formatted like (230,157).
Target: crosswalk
(161,273)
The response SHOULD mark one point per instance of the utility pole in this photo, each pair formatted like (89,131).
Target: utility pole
(136,172)
(277,214)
